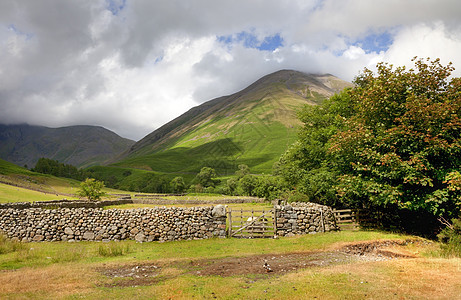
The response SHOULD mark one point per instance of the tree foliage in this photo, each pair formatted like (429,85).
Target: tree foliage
(307,166)
(55,168)
(394,140)
(403,144)
(91,189)
(242,171)
(178,185)
(206,177)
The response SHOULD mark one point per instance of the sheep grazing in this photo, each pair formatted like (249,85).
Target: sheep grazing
(256,224)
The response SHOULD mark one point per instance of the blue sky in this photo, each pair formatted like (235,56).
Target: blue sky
(375,42)
(115,6)
(84,62)
(251,40)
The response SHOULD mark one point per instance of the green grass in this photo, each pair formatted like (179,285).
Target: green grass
(255,132)
(9,194)
(72,270)
(233,205)
(112,249)
(47,253)
(18,184)
(10,168)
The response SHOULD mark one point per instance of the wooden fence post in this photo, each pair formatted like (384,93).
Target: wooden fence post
(229,212)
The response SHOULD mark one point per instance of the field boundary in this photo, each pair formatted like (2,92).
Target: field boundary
(254,223)
(347,219)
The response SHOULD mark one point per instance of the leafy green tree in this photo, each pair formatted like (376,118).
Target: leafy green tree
(54,167)
(242,171)
(248,183)
(91,189)
(307,166)
(269,187)
(206,177)
(392,142)
(403,145)
(232,184)
(178,185)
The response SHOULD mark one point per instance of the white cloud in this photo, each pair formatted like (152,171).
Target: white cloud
(132,66)
(427,40)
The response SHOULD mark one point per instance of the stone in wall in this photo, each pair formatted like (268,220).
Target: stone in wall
(96,224)
(304,218)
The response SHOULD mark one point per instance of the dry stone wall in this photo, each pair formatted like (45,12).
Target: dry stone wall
(304,218)
(149,224)
(54,204)
(96,224)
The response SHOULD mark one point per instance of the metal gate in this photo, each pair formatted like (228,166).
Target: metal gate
(254,223)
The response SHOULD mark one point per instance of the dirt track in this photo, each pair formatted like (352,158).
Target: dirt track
(263,265)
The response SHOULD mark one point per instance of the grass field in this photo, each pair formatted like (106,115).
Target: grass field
(10,194)
(310,266)
(197,269)
(233,205)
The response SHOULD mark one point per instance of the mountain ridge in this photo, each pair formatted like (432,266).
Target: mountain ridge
(215,103)
(80,145)
(267,107)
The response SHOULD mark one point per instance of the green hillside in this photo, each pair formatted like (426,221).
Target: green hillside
(20,184)
(81,146)
(253,126)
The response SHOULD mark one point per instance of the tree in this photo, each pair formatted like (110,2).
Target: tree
(242,171)
(248,183)
(91,189)
(232,185)
(206,177)
(54,167)
(403,145)
(308,166)
(178,185)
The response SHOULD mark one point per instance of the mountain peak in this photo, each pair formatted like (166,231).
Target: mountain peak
(81,145)
(262,116)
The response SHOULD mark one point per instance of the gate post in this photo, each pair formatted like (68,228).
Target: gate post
(229,213)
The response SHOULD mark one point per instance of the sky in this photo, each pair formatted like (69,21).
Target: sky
(133,65)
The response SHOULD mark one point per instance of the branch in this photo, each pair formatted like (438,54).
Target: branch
(445,222)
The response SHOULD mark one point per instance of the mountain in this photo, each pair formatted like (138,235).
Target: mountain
(253,126)
(81,146)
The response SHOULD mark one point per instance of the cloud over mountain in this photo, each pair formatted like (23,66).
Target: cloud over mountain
(131,66)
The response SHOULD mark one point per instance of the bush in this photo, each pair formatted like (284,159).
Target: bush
(451,237)
(295,196)
(91,189)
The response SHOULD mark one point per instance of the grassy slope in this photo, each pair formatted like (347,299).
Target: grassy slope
(253,127)
(10,194)
(255,132)
(53,270)
(21,185)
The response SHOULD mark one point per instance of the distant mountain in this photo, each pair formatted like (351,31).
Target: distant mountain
(253,126)
(81,146)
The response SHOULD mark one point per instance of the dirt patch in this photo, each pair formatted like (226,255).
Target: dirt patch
(260,265)
(131,275)
(269,264)
(380,250)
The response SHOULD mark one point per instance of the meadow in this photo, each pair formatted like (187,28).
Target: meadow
(230,269)
(337,265)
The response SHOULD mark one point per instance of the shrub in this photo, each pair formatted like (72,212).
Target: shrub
(451,237)
(91,189)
